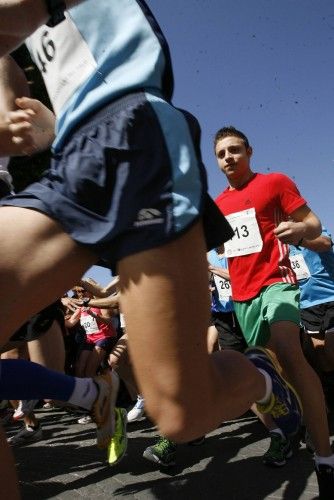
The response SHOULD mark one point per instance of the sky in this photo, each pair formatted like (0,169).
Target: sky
(266,67)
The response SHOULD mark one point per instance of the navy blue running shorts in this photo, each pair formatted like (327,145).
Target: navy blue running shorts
(128,179)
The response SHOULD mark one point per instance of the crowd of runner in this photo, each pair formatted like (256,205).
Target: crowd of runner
(127,188)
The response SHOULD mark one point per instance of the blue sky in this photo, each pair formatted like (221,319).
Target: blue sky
(266,67)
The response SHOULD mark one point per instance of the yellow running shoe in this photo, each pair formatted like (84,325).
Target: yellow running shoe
(102,411)
(118,443)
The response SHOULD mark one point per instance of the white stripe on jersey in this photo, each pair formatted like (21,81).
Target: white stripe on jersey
(286,272)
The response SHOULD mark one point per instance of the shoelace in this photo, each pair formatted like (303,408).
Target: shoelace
(163,445)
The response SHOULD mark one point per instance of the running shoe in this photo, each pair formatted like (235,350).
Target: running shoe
(25,407)
(119,441)
(284,405)
(26,435)
(49,405)
(137,411)
(162,453)
(325,477)
(278,452)
(102,412)
(87,419)
(18,413)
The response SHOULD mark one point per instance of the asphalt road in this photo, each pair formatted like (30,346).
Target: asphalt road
(67,465)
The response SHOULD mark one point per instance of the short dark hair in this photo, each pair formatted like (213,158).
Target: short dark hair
(230,132)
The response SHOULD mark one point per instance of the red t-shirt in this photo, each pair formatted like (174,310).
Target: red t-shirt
(273,197)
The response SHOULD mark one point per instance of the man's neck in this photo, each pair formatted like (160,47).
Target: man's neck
(238,183)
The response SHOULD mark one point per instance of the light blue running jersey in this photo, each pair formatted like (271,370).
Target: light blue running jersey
(102,51)
(222,295)
(318,288)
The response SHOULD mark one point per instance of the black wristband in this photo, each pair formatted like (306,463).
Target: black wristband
(300,242)
(56,9)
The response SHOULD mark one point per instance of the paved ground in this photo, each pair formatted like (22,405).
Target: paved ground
(66,465)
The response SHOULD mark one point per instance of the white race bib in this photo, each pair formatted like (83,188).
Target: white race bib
(89,324)
(224,288)
(64,59)
(299,266)
(247,238)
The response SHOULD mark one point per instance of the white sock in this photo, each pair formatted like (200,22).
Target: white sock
(324,460)
(277,430)
(269,388)
(84,393)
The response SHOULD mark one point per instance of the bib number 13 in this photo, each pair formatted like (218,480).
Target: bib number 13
(241,232)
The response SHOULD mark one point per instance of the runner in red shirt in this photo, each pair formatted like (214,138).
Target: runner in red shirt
(254,211)
(267,213)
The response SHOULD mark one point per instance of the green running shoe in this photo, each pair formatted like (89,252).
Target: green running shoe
(162,453)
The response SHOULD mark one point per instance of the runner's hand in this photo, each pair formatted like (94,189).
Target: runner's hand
(32,126)
(290,232)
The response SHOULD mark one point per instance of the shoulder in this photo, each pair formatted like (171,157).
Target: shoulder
(221,196)
(279,183)
(275,177)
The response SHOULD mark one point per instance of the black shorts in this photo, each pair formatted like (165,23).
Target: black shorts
(40,323)
(229,332)
(129,178)
(318,319)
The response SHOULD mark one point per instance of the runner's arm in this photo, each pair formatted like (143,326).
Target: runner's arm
(26,125)
(320,244)
(32,126)
(13,83)
(105,315)
(74,319)
(106,302)
(219,271)
(98,290)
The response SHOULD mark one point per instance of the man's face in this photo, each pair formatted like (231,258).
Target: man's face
(233,158)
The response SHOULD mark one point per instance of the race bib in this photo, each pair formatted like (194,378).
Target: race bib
(247,238)
(299,266)
(89,324)
(64,59)
(224,288)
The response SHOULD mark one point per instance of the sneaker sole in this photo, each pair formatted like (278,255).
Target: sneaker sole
(151,457)
(136,419)
(277,464)
(18,417)
(25,442)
